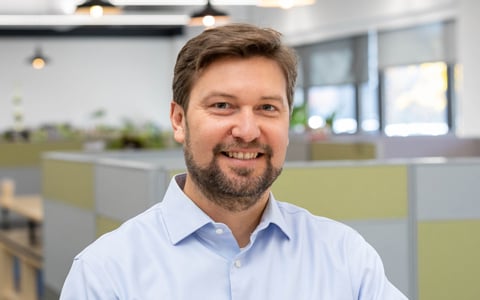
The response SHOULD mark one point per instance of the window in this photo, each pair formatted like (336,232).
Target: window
(415,79)
(396,82)
(369,108)
(330,73)
(335,102)
(415,98)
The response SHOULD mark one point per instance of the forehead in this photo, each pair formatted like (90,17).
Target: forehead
(235,67)
(242,75)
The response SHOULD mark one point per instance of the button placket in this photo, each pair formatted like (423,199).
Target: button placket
(237,263)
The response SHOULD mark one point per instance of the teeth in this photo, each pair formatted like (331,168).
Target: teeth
(242,155)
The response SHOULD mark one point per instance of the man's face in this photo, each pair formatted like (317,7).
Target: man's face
(235,133)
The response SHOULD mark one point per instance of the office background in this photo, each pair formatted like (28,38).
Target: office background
(431,216)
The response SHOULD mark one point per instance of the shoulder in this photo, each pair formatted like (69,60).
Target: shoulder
(128,237)
(297,216)
(322,233)
(331,241)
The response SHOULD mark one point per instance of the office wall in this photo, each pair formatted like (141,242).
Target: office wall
(468,106)
(129,78)
(328,19)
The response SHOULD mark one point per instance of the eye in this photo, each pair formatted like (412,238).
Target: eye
(268,107)
(221,105)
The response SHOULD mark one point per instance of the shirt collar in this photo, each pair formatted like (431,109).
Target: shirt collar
(273,215)
(183,217)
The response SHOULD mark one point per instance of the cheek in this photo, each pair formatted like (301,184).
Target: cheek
(283,147)
(202,139)
(279,144)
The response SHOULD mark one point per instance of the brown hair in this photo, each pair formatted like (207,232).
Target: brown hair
(234,40)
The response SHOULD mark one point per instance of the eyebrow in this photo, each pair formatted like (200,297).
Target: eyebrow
(217,94)
(273,97)
(226,95)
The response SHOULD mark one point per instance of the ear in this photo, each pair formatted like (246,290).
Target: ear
(177,118)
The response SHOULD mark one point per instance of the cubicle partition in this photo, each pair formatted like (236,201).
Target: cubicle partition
(86,195)
(369,196)
(422,216)
(20,162)
(447,210)
(21,216)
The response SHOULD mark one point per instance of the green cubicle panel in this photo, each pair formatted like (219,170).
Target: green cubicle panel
(449,260)
(370,197)
(69,181)
(30,154)
(352,192)
(342,151)
(447,197)
(105,224)
(423,219)
(20,162)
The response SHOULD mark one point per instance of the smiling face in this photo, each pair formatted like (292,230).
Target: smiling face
(235,133)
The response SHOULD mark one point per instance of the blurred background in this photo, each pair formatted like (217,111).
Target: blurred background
(385,117)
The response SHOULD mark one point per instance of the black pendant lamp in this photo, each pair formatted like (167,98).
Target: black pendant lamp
(97,8)
(208,16)
(38,60)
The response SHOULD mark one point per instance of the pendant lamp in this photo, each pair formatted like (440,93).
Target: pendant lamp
(208,16)
(97,8)
(38,60)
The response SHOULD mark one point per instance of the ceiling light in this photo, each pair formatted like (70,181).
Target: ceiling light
(38,60)
(285,4)
(208,17)
(97,8)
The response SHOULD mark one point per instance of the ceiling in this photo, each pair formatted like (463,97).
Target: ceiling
(138,17)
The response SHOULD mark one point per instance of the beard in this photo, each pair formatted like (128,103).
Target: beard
(233,194)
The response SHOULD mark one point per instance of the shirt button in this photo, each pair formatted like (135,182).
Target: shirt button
(219,231)
(237,263)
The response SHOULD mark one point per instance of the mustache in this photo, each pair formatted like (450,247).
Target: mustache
(266,149)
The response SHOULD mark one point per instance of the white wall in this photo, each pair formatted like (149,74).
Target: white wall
(328,19)
(468,106)
(129,78)
(139,88)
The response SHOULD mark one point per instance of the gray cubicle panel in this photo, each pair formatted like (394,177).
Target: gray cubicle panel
(447,198)
(126,187)
(422,216)
(370,196)
(88,194)
(27,179)
(392,240)
(64,236)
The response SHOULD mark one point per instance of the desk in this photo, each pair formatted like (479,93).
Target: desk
(20,244)
(29,206)
(15,243)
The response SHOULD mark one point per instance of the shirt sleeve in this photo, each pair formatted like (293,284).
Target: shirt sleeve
(83,282)
(368,273)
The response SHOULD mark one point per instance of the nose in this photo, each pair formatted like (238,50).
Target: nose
(246,126)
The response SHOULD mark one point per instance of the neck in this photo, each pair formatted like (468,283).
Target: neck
(241,223)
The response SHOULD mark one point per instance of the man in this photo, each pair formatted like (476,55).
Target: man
(219,233)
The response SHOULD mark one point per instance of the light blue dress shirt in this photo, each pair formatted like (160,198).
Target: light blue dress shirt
(175,251)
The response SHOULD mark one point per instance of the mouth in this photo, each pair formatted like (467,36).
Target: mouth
(242,155)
